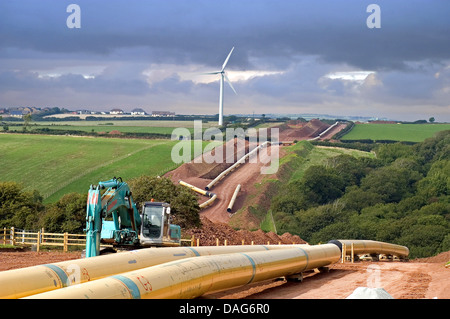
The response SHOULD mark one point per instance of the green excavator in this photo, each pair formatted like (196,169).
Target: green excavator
(113,219)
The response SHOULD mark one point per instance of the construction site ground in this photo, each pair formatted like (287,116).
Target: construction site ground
(416,279)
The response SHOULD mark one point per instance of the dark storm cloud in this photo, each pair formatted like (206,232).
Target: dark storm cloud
(120,41)
(199,31)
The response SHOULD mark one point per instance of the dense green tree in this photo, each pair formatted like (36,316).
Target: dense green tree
(390,152)
(18,207)
(391,182)
(321,185)
(68,214)
(183,202)
(356,198)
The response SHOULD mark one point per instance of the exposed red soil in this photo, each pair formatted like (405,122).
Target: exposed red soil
(402,280)
(310,130)
(210,232)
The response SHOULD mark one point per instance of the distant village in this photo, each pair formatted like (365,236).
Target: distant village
(20,112)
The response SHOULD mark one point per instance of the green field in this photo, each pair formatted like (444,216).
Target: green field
(124,126)
(56,165)
(395,132)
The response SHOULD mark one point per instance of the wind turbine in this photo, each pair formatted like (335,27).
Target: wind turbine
(223,77)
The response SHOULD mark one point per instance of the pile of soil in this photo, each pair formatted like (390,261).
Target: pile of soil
(312,129)
(209,232)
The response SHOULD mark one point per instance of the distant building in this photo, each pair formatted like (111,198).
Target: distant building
(138,111)
(17,114)
(116,111)
(162,113)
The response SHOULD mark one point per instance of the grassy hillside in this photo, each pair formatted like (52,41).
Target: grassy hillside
(56,165)
(395,132)
(402,196)
(295,161)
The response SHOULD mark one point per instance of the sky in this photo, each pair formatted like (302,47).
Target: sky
(290,56)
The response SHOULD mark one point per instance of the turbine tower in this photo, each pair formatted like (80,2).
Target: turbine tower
(223,77)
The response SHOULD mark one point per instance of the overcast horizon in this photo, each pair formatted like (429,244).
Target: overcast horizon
(290,56)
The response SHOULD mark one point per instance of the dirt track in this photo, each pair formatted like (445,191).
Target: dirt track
(402,280)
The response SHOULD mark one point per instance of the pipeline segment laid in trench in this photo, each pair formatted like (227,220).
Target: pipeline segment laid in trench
(235,165)
(128,270)
(193,277)
(18,283)
(233,198)
(358,247)
(212,196)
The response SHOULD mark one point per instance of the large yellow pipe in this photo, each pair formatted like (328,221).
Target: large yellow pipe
(23,282)
(193,277)
(233,198)
(212,196)
(372,247)
(196,189)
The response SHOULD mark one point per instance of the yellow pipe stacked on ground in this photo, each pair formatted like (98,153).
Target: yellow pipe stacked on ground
(27,281)
(193,277)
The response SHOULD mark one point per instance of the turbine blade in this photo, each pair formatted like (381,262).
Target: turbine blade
(226,60)
(209,73)
(229,83)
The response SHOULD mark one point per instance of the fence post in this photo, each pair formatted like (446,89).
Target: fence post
(4,235)
(192,241)
(12,237)
(343,253)
(66,241)
(353,254)
(38,241)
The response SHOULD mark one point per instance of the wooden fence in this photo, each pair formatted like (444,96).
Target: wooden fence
(17,237)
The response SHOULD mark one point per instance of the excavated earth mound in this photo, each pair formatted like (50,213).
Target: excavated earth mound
(210,232)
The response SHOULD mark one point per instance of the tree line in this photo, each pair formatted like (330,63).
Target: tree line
(24,209)
(402,196)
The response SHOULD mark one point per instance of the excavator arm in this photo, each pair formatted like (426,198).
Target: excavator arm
(112,217)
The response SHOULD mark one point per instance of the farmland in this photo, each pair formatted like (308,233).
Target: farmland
(57,165)
(394,132)
(123,126)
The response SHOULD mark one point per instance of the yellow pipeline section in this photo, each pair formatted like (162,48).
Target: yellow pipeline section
(212,196)
(233,198)
(27,281)
(193,277)
(177,272)
(372,247)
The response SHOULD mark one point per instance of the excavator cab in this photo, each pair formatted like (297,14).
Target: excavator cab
(156,229)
